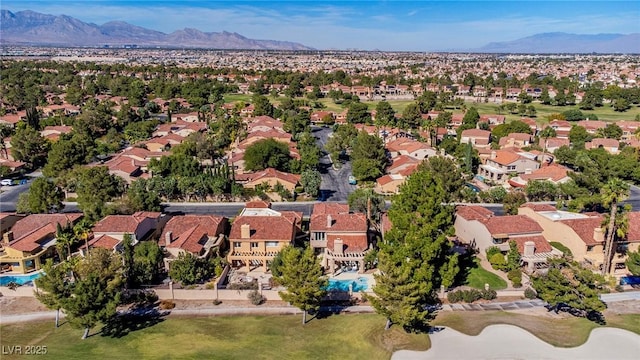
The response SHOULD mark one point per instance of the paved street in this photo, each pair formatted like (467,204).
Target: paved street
(335,183)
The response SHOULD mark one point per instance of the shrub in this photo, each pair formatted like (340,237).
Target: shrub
(492,251)
(255,297)
(471,295)
(167,305)
(488,294)
(529,293)
(497,261)
(515,276)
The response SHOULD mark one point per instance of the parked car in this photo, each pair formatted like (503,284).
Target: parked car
(6,182)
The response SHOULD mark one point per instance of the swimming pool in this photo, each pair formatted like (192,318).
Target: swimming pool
(630,280)
(359,284)
(19,279)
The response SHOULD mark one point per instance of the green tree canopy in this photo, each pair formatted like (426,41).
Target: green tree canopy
(368,202)
(358,113)
(369,157)
(27,145)
(569,283)
(188,269)
(267,153)
(310,181)
(95,291)
(415,258)
(385,115)
(43,197)
(302,276)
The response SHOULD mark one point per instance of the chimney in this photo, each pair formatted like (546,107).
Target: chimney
(168,238)
(338,246)
(493,155)
(529,248)
(7,237)
(329,221)
(598,235)
(245,231)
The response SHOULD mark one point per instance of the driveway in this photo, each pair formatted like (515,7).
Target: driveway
(335,182)
(512,342)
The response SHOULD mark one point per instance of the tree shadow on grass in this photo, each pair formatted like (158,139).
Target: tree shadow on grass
(137,319)
(467,262)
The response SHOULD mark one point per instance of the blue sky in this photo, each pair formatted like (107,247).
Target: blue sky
(368,25)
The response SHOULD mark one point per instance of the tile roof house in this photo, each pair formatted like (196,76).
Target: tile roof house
(32,240)
(481,229)
(200,235)
(477,137)
(109,232)
(584,235)
(516,140)
(269,176)
(552,144)
(612,146)
(502,163)
(259,233)
(557,174)
(341,237)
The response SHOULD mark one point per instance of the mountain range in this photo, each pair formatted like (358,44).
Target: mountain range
(32,28)
(558,42)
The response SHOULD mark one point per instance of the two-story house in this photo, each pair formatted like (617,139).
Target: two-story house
(259,233)
(479,228)
(110,231)
(201,235)
(32,240)
(342,238)
(504,163)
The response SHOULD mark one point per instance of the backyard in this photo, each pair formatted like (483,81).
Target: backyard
(478,276)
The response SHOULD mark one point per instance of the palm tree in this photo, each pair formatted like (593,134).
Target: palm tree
(614,191)
(64,239)
(82,230)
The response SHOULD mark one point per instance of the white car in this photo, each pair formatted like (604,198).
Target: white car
(6,182)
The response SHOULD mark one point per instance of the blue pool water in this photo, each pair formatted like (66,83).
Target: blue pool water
(630,280)
(359,284)
(19,279)
(473,187)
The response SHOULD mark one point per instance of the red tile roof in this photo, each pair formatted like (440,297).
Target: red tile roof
(36,221)
(264,228)
(31,241)
(541,244)
(351,243)
(329,208)
(633,232)
(539,207)
(190,232)
(104,241)
(505,157)
(584,228)
(512,225)
(472,212)
(339,222)
(123,223)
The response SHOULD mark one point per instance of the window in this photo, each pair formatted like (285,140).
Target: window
(254,245)
(511,167)
(319,236)
(237,244)
(272,243)
(589,248)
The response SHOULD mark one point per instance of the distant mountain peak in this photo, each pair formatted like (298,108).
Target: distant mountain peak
(561,42)
(32,28)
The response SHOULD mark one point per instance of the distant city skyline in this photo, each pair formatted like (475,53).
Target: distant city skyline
(367,25)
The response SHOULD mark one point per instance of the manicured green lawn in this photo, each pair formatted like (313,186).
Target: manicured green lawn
(238,337)
(236,97)
(479,276)
(568,332)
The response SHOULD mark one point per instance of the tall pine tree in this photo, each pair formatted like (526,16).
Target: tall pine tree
(301,274)
(415,257)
